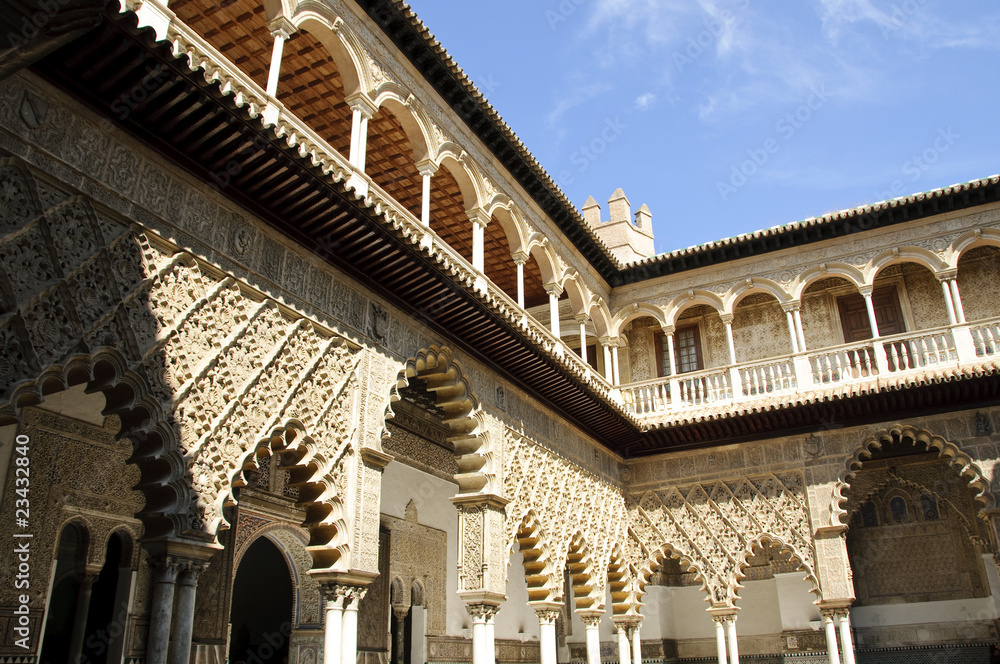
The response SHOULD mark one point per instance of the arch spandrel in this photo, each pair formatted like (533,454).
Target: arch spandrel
(844,271)
(637,310)
(905,254)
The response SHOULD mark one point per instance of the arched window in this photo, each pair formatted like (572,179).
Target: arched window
(869,515)
(897,508)
(929,506)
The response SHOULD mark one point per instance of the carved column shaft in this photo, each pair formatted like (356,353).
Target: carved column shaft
(182,625)
(165,572)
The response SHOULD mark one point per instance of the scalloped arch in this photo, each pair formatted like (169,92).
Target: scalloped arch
(957,459)
(455,396)
(539,570)
(774,542)
(587,583)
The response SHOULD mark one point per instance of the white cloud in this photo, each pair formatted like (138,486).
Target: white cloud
(644,101)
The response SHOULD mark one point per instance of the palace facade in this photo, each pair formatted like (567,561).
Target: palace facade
(306,359)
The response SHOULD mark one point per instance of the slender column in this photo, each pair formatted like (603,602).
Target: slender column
(362,111)
(790,318)
(833,653)
(614,363)
(880,357)
(734,373)
(479,220)
(491,644)
(797,313)
(671,354)
(843,618)
(182,626)
(591,622)
(867,294)
(481,614)
(636,644)
(624,653)
(554,291)
(281,29)
(734,651)
(609,373)
(333,623)
(720,637)
(165,572)
(400,611)
(956,298)
(582,320)
(949,304)
(86,582)
(520,259)
(427,169)
(547,634)
(349,635)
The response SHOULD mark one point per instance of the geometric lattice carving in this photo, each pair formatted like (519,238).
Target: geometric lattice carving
(714,528)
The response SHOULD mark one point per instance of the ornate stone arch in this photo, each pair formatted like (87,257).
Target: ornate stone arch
(353,62)
(774,542)
(824,271)
(601,316)
(752,286)
(980,237)
(320,477)
(960,461)
(540,573)
(400,103)
(692,298)
(541,250)
(622,582)
(584,576)
(923,257)
(637,310)
(455,397)
(656,558)
(456,166)
(579,294)
(512,223)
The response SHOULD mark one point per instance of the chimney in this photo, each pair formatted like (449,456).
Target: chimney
(619,207)
(592,212)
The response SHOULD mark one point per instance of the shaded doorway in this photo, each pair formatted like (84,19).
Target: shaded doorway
(261,616)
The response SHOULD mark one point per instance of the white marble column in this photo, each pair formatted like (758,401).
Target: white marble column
(592,621)
(833,652)
(671,353)
(734,651)
(616,373)
(482,643)
(520,259)
(165,571)
(281,29)
(948,302)
(609,373)
(349,635)
(491,642)
(182,626)
(547,634)
(333,623)
(734,373)
(797,313)
(582,320)
(880,357)
(790,318)
(362,110)
(427,168)
(720,638)
(956,299)
(636,643)
(479,220)
(554,291)
(624,652)
(846,640)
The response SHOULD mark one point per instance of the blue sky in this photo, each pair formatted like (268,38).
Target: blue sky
(728,116)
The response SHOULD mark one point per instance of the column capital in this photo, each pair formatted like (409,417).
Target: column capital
(479,216)
(948,275)
(727,318)
(591,617)
(668,329)
(554,289)
(547,612)
(866,290)
(359,101)
(582,318)
(280,26)
(791,305)
(484,612)
(520,257)
(427,167)
(610,342)
(375,458)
